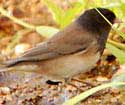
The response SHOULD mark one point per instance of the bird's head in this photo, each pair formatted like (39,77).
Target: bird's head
(92,19)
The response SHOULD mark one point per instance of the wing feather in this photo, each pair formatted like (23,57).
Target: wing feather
(68,41)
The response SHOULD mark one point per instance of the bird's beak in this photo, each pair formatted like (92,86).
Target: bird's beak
(118,21)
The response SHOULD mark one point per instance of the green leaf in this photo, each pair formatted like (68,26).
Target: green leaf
(123,7)
(57,11)
(120,77)
(116,52)
(71,13)
(63,18)
(84,95)
(46,31)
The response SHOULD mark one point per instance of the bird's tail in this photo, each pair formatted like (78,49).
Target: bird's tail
(14,75)
(4,68)
(21,67)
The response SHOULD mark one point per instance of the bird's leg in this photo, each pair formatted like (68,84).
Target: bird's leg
(69,82)
(83,82)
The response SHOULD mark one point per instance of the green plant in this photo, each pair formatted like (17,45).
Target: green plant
(84,95)
(64,17)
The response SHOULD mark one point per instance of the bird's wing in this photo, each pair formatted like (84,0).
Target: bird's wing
(68,41)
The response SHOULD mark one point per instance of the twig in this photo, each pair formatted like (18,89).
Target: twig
(18,21)
(117,44)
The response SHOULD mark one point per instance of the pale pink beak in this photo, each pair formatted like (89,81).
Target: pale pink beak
(118,21)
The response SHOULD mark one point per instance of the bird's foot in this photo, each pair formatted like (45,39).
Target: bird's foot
(83,82)
(69,82)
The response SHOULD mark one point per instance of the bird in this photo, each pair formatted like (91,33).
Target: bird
(71,51)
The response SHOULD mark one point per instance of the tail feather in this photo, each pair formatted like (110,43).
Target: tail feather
(18,65)
(22,68)
(5,69)
(10,63)
(13,62)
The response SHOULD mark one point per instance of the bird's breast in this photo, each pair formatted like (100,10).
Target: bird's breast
(69,65)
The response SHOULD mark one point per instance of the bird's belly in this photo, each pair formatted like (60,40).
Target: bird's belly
(67,66)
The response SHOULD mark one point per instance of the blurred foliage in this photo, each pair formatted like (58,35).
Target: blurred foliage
(15,39)
(120,54)
(64,17)
(46,30)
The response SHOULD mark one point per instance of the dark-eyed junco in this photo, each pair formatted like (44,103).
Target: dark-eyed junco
(73,50)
